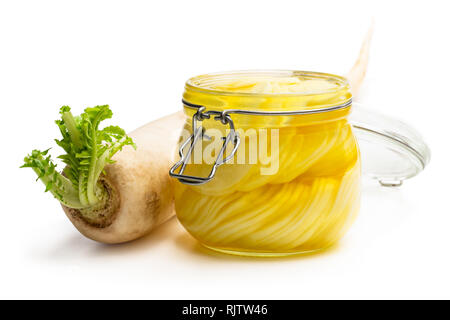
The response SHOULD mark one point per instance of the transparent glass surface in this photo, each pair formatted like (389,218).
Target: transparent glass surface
(311,198)
(391,150)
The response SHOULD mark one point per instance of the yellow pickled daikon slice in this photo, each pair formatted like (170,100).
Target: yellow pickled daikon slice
(306,213)
(267,85)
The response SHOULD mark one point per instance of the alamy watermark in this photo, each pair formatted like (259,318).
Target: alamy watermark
(257,146)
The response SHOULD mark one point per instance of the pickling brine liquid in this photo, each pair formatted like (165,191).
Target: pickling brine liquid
(294,184)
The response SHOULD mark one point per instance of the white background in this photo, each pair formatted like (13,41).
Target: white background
(135,56)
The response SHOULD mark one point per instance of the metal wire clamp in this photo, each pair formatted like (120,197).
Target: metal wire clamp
(233,136)
(197,134)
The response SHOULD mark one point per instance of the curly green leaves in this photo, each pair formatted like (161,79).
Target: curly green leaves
(61,187)
(87,150)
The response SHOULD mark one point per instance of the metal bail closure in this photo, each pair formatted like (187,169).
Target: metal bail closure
(198,134)
(233,136)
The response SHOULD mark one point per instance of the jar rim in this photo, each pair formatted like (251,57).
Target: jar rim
(200,83)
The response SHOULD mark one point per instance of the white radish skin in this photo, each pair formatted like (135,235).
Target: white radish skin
(358,72)
(142,193)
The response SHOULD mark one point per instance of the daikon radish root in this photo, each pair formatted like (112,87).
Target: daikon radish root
(111,192)
(358,72)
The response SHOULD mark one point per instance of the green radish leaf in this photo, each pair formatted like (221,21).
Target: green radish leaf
(87,149)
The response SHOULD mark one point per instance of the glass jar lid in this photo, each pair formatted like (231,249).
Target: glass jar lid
(391,150)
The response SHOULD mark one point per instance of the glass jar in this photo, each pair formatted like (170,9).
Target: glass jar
(269,165)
